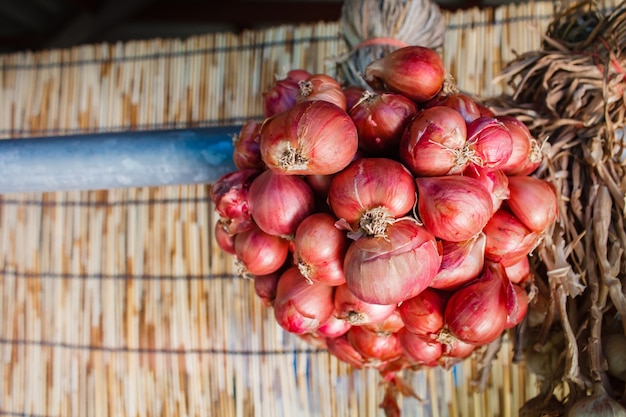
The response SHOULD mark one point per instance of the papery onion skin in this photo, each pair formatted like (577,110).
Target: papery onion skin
(320,248)
(259,252)
(432,143)
(477,313)
(322,87)
(371,183)
(453,208)
(508,239)
(334,327)
(301,307)
(278,203)
(342,349)
(423,314)
(421,350)
(312,138)
(461,262)
(519,306)
(353,94)
(389,270)
(416,72)
(283,94)
(464,104)
(380,120)
(246,149)
(490,142)
(519,272)
(533,201)
(374,346)
(229,193)
(357,312)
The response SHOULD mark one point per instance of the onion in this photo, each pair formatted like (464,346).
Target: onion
(477,312)
(457,349)
(320,185)
(489,142)
(519,272)
(300,307)
(380,120)
(334,327)
(278,203)
(265,287)
(453,208)
(259,252)
(357,312)
(517,304)
(322,87)
(391,324)
(433,142)
(353,94)
(342,349)
(461,262)
(599,404)
(224,240)
(494,180)
(420,349)
(390,270)
(370,193)
(423,314)
(230,196)
(614,350)
(533,201)
(283,94)
(464,104)
(314,137)
(320,248)
(375,347)
(416,72)
(246,150)
(526,152)
(508,240)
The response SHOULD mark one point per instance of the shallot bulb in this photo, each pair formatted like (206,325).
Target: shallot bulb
(358,312)
(311,138)
(301,307)
(334,327)
(259,252)
(533,201)
(526,153)
(353,94)
(420,349)
(416,72)
(477,313)
(391,324)
(246,150)
(282,95)
(389,270)
(598,404)
(453,208)
(375,347)
(224,240)
(517,304)
(343,350)
(461,262)
(519,272)
(489,142)
(380,120)
(508,239)
(265,287)
(494,180)
(370,193)
(462,103)
(278,203)
(423,314)
(230,196)
(433,142)
(322,87)
(320,248)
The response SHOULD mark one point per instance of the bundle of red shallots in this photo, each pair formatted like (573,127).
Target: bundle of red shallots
(390,225)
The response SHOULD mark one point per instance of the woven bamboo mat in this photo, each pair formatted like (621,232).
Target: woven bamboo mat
(118,302)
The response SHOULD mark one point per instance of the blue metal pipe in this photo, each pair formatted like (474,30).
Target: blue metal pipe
(116,160)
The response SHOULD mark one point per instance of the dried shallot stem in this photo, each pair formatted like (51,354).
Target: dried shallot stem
(485,362)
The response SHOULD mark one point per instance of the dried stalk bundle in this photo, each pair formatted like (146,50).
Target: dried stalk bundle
(373,29)
(571,95)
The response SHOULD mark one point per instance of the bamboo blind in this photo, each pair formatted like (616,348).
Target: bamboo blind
(118,302)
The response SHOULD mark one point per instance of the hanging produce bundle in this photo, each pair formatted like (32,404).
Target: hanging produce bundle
(392,227)
(571,95)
